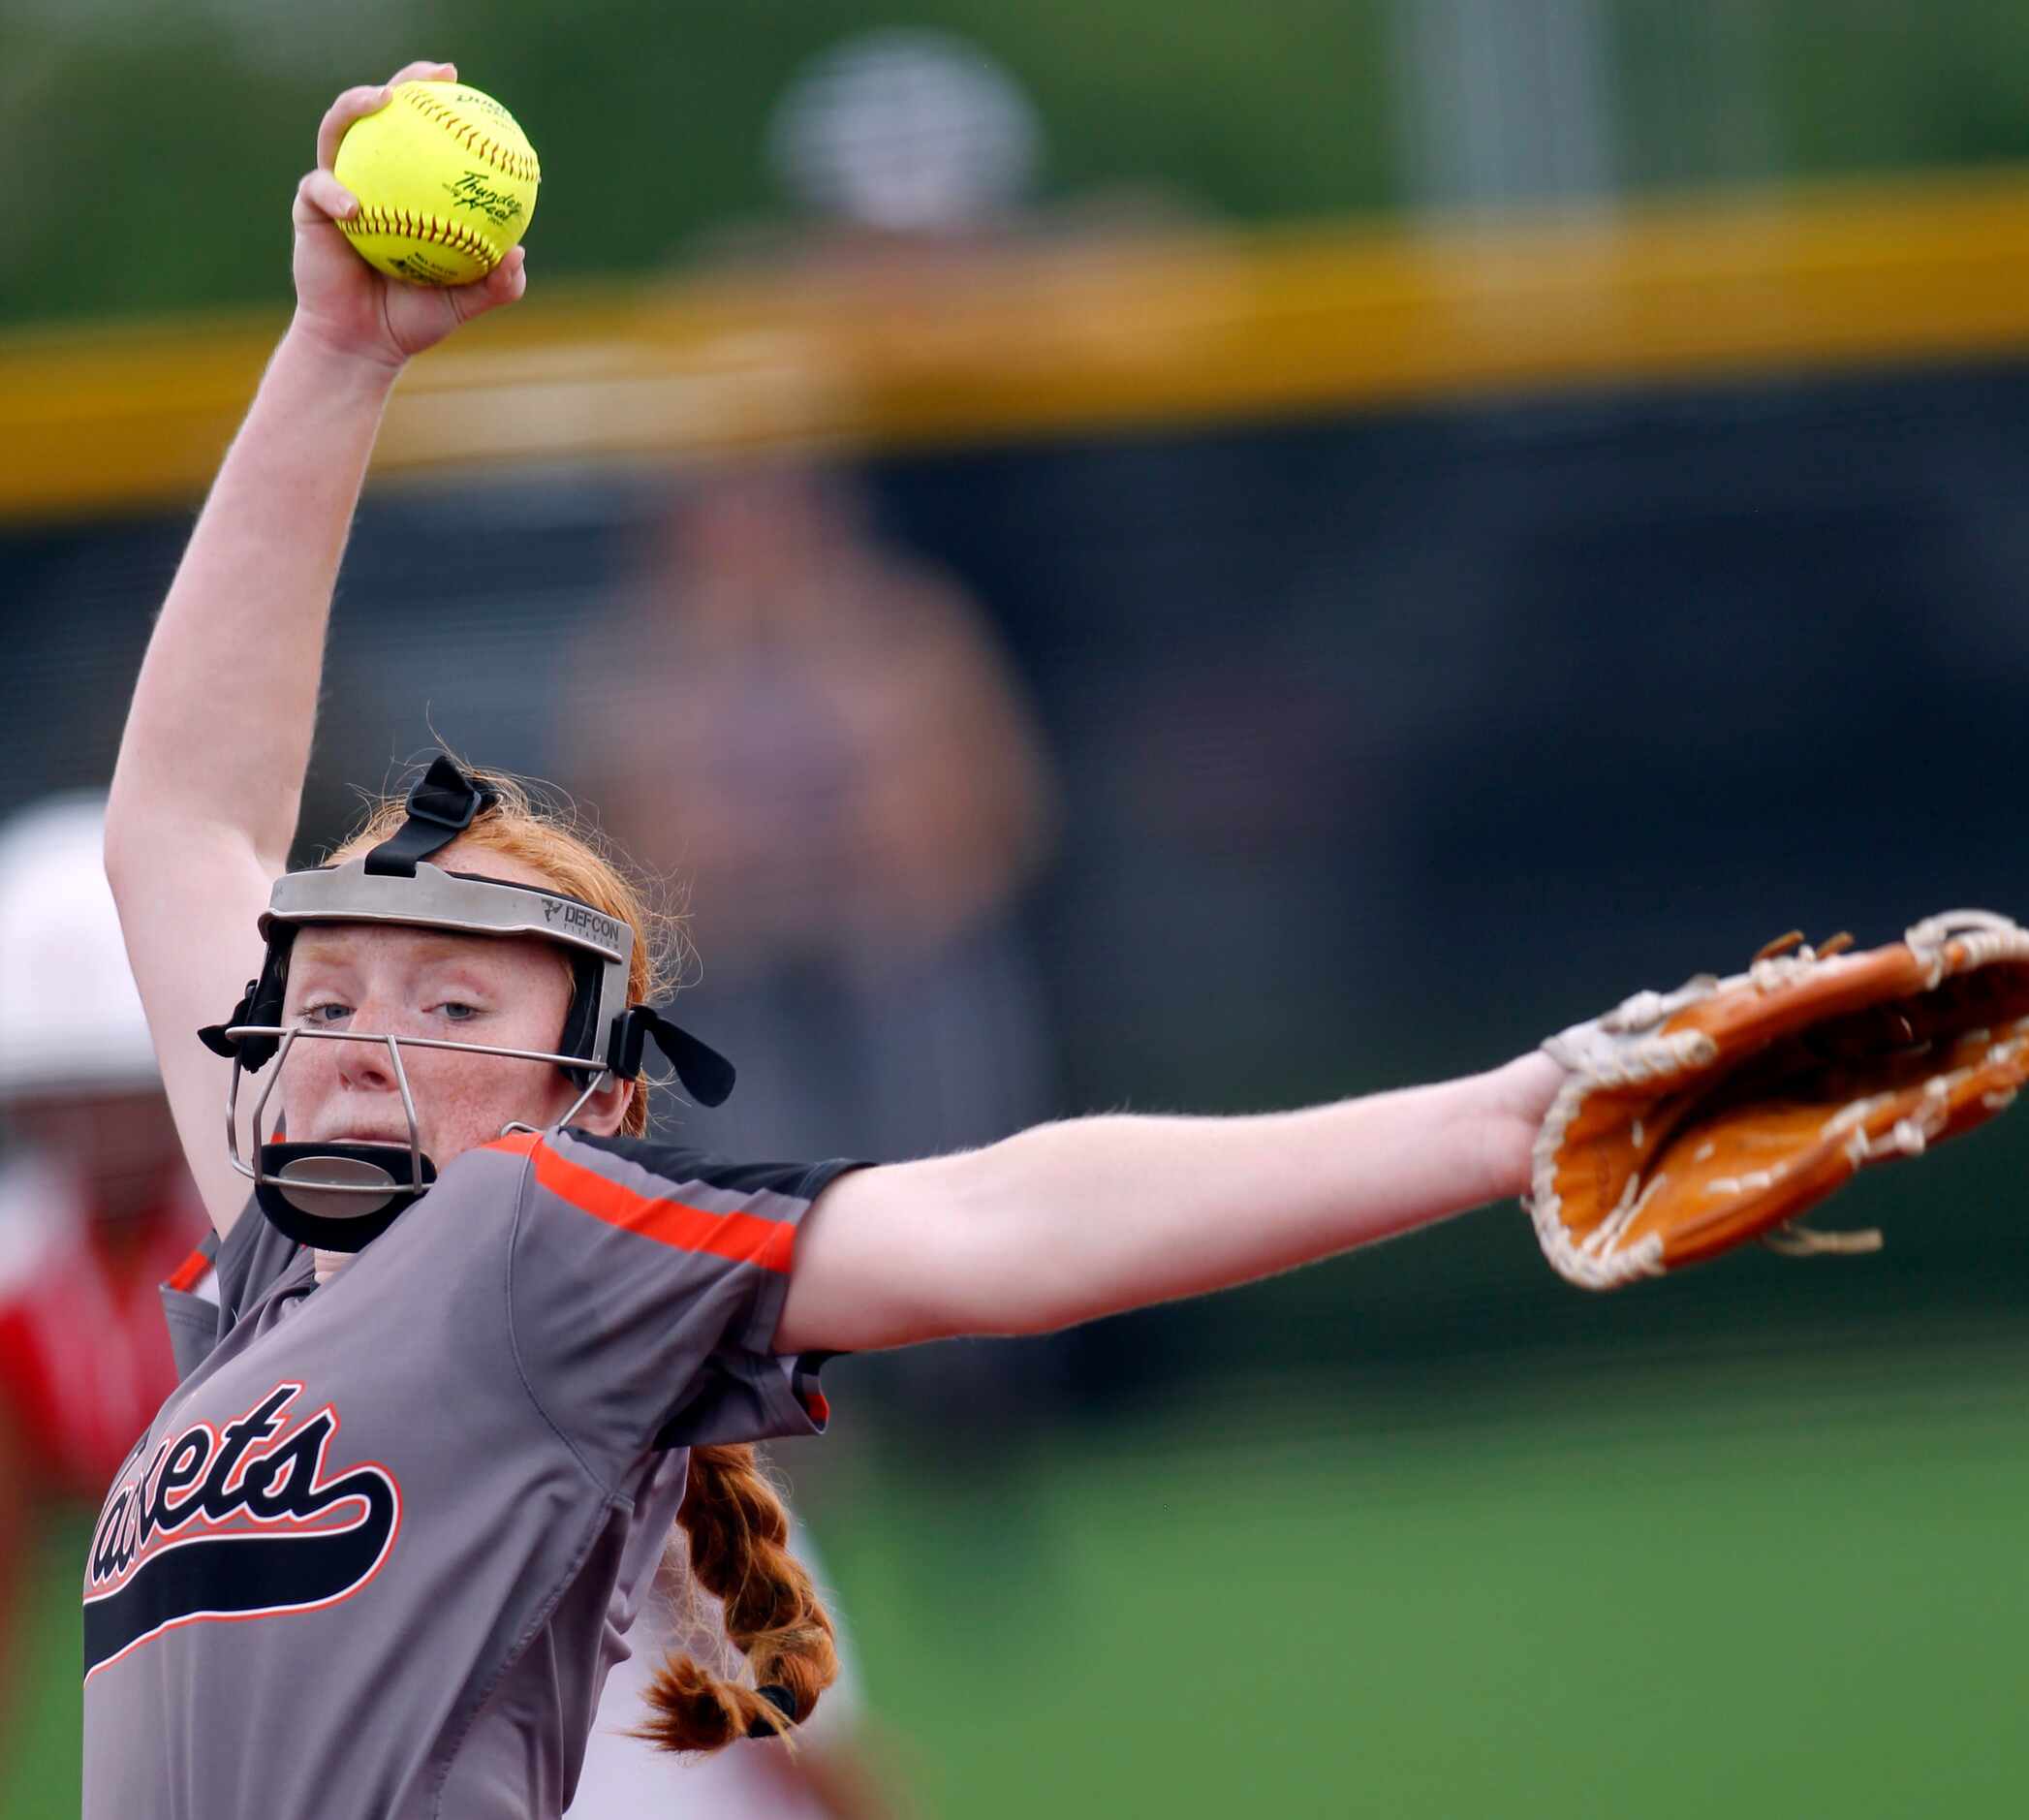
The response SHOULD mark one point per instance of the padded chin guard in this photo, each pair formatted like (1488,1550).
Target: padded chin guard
(324,1195)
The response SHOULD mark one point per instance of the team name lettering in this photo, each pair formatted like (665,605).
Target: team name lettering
(239,1521)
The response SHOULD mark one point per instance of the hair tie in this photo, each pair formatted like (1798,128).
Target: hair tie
(783,1701)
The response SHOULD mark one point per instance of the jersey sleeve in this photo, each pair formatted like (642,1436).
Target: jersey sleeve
(191,1309)
(645,1282)
(248,1261)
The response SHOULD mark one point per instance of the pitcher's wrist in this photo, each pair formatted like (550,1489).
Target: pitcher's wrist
(369,369)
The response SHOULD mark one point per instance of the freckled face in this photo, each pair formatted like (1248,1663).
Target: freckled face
(508,992)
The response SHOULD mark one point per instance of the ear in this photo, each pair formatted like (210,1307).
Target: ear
(607,1107)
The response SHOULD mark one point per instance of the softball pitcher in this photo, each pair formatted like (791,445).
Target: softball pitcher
(478,1341)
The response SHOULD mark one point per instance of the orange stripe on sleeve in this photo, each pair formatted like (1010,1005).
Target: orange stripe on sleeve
(742,1238)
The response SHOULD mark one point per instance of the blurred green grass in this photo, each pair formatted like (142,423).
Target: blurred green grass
(1741,1581)
(39,1728)
(1741,1585)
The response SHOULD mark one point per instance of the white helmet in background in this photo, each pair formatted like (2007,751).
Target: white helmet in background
(909,130)
(70,1018)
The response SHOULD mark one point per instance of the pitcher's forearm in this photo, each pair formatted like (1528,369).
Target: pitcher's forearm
(219,731)
(1124,1212)
(1068,1222)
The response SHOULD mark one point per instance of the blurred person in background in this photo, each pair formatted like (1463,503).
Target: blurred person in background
(96,1206)
(826,744)
(825,740)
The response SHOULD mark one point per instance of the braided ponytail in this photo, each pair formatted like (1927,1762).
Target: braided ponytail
(739,1534)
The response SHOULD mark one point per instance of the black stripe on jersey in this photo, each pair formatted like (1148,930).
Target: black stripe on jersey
(804,1182)
(227,1577)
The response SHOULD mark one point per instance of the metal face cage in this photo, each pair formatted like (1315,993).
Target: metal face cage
(286,1036)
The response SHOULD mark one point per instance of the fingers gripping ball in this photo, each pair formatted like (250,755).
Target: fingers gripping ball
(446,182)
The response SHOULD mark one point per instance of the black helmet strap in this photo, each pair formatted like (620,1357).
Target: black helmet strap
(261,1003)
(440,808)
(707,1074)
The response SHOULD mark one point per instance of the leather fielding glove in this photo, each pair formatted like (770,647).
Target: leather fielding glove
(1693,1120)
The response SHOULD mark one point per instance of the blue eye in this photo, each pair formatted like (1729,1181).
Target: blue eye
(315,1014)
(457,1012)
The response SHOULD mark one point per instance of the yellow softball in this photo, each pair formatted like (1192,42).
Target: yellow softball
(446,182)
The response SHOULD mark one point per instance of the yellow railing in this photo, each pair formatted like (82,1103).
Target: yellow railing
(1076,338)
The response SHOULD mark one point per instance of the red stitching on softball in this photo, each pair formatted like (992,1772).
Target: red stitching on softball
(431,227)
(522,165)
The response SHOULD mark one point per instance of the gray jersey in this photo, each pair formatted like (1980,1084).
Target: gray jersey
(368,1558)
